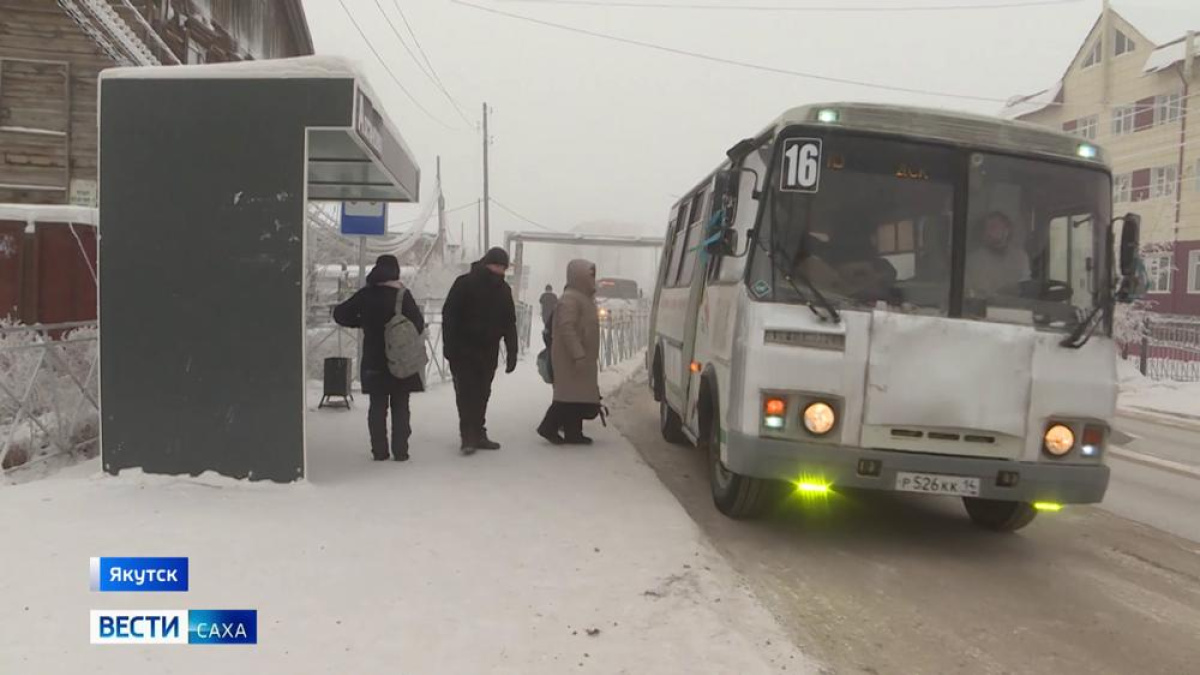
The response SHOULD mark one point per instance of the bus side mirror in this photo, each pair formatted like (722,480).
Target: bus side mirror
(1130,243)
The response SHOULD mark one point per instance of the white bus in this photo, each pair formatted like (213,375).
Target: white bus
(892,298)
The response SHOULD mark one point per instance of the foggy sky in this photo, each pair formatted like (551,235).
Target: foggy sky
(590,130)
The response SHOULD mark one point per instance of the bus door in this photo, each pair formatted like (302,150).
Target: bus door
(693,272)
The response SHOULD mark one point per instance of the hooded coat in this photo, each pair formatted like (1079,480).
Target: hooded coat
(370,309)
(575,347)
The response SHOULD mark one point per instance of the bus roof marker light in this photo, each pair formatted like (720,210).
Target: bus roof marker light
(828,116)
(1087,151)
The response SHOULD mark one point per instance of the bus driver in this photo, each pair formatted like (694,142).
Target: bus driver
(997,263)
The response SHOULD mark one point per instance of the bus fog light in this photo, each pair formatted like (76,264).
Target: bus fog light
(819,418)
(1059,440)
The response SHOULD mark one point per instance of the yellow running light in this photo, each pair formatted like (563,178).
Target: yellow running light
(1052,507)
(1059,440)
(812,488)
(819,418)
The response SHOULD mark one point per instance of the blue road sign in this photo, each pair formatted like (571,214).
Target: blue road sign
(364,219)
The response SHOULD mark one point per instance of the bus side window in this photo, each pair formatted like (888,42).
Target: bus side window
(694,238)
(664,270)
(678,243)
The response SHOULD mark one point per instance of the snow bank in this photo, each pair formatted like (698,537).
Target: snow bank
(1140,393)
(533,559)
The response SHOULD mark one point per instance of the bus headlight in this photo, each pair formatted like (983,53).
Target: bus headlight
(819,418)
(1059,440)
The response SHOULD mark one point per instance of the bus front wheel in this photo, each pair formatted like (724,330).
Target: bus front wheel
(998,515)
(737,496)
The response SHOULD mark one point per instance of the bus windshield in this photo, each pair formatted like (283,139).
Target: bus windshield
(872,222)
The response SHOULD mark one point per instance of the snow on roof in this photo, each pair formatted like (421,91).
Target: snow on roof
(1020,106)
(49,213)
(1167,55)
(300,67)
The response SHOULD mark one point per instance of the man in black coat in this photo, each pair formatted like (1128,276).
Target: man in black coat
(548,301)
(370,309)
(478,314)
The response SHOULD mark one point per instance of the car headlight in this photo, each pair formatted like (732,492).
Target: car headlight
(1059,440)
(819,418)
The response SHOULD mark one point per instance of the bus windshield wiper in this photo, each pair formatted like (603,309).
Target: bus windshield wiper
(1084,330)
(830,310)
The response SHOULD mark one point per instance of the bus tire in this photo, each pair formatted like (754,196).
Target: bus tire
(670,424)
(737,496)
(657,388)
(999,516)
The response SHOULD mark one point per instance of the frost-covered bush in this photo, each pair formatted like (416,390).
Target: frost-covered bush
(55,377)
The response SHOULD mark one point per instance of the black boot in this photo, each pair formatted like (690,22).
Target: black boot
(577,440)
(550,434)
(486,443)
(470,441)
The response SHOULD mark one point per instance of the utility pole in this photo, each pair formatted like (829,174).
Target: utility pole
(487,232)
(441,206)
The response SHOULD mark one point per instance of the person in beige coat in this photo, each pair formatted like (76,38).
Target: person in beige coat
(575,355)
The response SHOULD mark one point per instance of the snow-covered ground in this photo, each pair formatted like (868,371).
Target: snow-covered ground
(503,562)
(1141,394)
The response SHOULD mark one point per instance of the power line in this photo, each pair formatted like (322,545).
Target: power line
(622,4)
(528,220)
(403,42)
(437,78)
(727,61)
(389,68)
(761,67)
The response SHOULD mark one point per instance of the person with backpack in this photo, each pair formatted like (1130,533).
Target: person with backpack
(574,359)
(478,314)
(392,349)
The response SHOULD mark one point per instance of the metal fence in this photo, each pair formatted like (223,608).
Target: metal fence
(48,392)
(622,336)
(1169,349)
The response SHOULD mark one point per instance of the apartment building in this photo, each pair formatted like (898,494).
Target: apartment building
(1130,88)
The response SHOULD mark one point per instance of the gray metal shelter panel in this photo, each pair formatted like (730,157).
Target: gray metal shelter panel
(202,265)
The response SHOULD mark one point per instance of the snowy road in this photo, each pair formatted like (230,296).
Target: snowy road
(1156,493)
(878,583)
(533,559)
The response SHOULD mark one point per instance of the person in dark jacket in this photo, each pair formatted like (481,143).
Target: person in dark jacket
(370,309)
(478,314)
(549,301)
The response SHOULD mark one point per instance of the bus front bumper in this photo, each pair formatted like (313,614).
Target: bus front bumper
(839,466)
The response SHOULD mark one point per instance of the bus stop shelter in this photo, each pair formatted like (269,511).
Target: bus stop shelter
(205,175)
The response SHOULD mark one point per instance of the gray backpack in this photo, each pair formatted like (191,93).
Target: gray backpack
(404,346)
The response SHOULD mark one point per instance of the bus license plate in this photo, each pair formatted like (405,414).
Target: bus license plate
(937,484)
